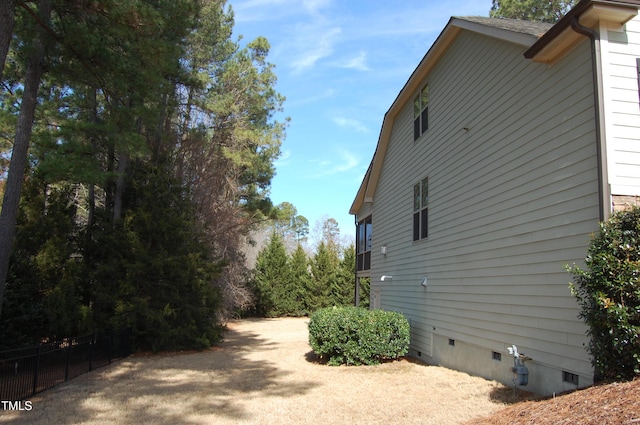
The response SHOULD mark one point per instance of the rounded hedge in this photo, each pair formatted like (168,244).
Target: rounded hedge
(608,290)
(355,336)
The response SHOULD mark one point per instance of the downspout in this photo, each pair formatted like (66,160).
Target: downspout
(603,192)
(356,291)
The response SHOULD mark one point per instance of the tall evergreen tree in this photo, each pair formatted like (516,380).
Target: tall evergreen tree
(7,22)
(343,290)
(229,141)
(39,43)
(293,227)
(324,271)
(152,124)
(42,298)
(298,281)
(167,297)
(271,276)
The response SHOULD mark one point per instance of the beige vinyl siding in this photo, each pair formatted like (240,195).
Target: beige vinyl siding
(513,196)
(622,110)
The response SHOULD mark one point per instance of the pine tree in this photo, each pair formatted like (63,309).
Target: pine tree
(166,297)
(35,66)
(299,281)
(345,286)
(271,276)
(153,126)
(228,140)
(321,289)
(7,22)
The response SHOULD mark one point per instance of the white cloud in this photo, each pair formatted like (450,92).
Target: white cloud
(358,62)
(351,123)
(314,6)
(312,43)
(255,10)
(313,98)
(302,32)
(277,10)
(344,161)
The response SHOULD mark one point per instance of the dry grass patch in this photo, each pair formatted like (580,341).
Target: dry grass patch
(263,373)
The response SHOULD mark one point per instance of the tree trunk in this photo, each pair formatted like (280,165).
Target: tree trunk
(119,193)
(92,192)
(7,21)
(17,166)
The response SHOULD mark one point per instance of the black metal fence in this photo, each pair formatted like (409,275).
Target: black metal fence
(25,372)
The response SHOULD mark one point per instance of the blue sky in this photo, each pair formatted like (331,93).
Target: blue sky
(340,64)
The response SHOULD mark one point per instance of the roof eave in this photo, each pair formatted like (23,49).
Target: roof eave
(561,38)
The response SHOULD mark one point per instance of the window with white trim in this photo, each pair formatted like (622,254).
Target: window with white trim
(421,112)
(421,209)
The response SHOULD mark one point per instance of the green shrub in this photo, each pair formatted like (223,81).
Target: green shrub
(355,336)
(609,293)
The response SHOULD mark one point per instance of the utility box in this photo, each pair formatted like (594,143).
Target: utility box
(521,375)
(519,370)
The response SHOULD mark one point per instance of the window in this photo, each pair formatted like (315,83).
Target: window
(571,378)
(364,244)
(421,209)
(421,113)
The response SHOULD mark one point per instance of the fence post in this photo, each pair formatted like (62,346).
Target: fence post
(66,371)
(91,352)
(35,371)
(111,336)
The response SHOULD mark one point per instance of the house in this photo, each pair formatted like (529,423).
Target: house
(496,162)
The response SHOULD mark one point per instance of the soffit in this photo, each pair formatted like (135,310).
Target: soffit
(562,38)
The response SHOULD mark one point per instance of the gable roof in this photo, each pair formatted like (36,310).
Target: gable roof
(529,28)
(544,42)
(524,33)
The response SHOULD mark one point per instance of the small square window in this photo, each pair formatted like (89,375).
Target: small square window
(571,378)
(496,356)
(452,342)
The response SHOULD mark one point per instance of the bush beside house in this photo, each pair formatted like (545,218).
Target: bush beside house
(355,336)
(608,291)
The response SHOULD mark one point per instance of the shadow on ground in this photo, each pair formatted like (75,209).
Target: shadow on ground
(510,395)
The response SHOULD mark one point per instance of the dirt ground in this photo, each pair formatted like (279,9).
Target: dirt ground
(606,404)
(263,373)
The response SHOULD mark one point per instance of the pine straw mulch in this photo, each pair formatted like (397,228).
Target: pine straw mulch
(615,404)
